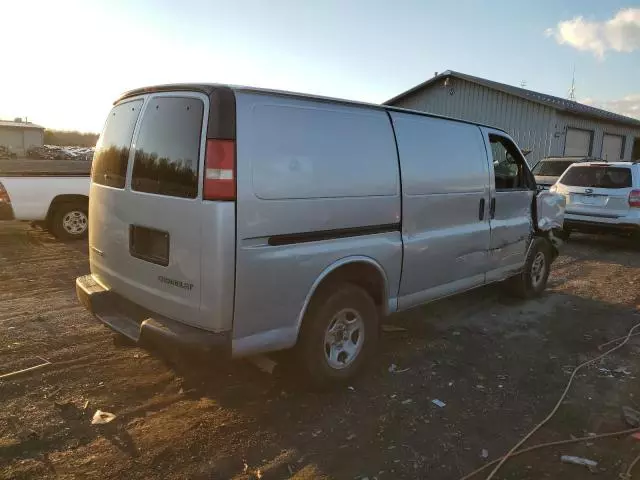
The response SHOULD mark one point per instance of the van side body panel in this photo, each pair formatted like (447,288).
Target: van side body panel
(316,183)
(512,224)
(445,187)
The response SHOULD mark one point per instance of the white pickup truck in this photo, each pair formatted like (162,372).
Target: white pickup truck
(58,202)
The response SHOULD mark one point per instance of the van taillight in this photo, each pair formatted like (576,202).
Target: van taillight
(634,198)
(220,170)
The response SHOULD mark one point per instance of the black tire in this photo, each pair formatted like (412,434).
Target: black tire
(311,350)
(69,221)
(526,285)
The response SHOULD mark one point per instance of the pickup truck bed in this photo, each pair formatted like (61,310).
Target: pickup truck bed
(56,199)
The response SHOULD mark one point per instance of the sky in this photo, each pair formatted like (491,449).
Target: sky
(63,62)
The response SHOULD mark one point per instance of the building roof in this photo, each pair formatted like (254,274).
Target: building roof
(557,103)
(10,124)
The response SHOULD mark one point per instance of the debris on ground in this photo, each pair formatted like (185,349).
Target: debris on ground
(387,328)
(100,417)
(55,152)
(605,372)
(264,363)
(45,363)
(631,416)
(393,368)
(407,401)
(438,403)
(6,153)
(484,453)
(590,464)
(622,370)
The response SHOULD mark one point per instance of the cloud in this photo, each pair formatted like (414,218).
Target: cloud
(620,33)
(628,106)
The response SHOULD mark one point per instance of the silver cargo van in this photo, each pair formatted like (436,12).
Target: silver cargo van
(249,221)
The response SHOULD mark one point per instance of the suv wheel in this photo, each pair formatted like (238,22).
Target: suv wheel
(533,279)
(338,335)
(70,221)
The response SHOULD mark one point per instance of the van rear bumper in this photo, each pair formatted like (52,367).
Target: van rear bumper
(143,326)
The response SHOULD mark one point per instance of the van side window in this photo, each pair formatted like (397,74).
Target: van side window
(168,147)
(511,172)
(112,151)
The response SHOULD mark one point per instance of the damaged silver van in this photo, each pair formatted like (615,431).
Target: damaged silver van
(248,221)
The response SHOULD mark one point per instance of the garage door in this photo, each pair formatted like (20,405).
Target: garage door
(11,137)
(611,147)
(578,143)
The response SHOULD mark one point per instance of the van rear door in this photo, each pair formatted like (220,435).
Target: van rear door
(146,207)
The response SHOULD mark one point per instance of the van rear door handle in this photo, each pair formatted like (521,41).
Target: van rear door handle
(481,210)
(492,208)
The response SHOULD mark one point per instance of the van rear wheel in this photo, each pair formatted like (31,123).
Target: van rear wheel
(339,334)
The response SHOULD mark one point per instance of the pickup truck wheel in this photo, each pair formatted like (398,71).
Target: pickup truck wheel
(338,335)
(533,279)
(70,221)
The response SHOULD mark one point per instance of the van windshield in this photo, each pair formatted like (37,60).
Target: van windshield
(597,177)
(551,168)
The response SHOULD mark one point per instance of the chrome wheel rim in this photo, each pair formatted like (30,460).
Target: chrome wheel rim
(75,222)
(538,268)
(343,338)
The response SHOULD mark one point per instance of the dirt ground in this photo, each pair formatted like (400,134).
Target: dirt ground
(499,365)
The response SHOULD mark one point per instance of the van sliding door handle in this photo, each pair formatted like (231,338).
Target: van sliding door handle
(492,208)
(481,210)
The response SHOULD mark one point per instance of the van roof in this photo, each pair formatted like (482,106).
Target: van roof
(209,88)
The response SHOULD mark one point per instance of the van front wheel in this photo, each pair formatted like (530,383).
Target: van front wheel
(338,335)
(533,279)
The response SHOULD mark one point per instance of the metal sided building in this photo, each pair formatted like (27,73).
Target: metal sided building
(543,124)
(19,136)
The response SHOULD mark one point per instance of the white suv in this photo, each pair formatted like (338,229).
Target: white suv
(601,197)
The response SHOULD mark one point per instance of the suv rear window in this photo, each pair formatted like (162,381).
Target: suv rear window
(551,168)
(112,151)
(168,147)
(597,177)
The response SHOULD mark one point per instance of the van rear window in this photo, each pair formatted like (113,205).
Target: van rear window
(112,151)
(597,177)
(168,147)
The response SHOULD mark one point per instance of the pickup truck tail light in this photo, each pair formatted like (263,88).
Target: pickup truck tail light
(220,170)
(634,198)
(4,196)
